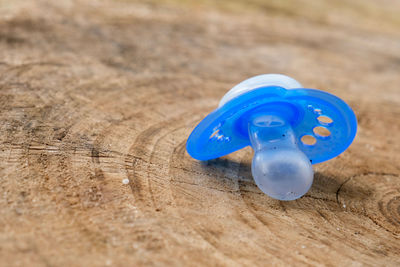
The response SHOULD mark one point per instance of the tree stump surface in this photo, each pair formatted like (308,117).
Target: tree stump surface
(98,99)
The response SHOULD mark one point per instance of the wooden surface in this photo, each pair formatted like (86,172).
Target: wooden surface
(96,92)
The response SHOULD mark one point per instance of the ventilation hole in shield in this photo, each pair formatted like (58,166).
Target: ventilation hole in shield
(321,132)
(324,120)
(308,140)
(317,111)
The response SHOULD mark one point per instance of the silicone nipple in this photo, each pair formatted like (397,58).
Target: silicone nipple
(280,169)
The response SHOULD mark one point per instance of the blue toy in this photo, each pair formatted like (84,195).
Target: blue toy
(288,126)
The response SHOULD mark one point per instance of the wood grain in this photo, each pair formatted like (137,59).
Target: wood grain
(95,92)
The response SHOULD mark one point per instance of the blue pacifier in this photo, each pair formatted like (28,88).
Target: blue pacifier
(288,126)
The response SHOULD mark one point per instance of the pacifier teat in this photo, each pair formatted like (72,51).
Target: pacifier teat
(274,114)
(280,169)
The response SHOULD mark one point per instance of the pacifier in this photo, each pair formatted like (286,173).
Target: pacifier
(289,127)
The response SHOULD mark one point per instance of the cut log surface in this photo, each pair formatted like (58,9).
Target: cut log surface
(98,99)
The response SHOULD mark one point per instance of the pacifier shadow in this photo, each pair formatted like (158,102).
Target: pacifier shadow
(325,187)
(228,169)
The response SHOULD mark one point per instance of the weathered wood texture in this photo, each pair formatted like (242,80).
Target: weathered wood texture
(94,92)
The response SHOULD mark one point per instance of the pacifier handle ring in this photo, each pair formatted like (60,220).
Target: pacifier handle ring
(257,82)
